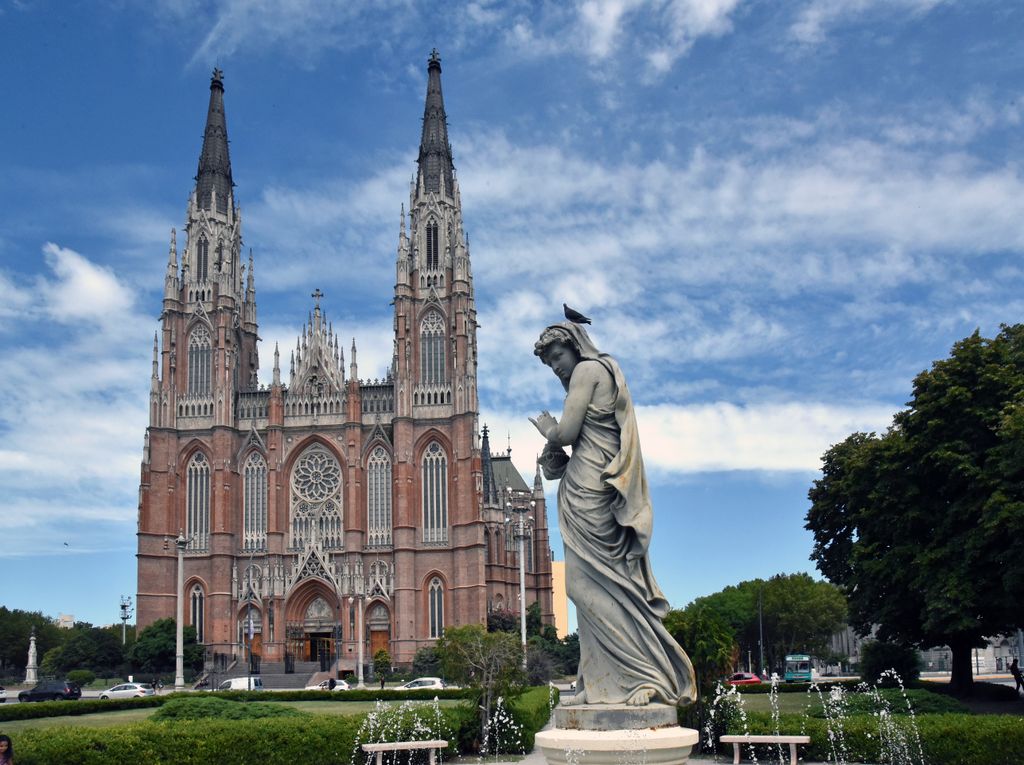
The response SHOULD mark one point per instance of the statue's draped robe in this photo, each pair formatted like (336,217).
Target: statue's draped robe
(605,519)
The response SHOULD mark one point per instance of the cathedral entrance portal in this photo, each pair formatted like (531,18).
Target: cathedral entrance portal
(378,622)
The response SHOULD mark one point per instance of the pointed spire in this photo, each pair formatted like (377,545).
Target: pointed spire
(156,356)
(490,490)
(277,365)
(538,481)
(353,368)
(401,225)
(250,284)
(435,160)
(213,179)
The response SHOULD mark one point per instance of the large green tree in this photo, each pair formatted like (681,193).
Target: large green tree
(923,526)
(155,649)
(15,629)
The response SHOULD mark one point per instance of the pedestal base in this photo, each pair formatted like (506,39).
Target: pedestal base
(616,734)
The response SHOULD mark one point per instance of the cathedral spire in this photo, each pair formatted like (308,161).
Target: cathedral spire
(353,373)
(277,365)
(213,178)
(435,158)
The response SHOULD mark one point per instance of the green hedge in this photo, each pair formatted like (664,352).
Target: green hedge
(945,739)
(81,707)
(91,706)
(324,739)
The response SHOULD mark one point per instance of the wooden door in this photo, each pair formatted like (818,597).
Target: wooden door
(378,641)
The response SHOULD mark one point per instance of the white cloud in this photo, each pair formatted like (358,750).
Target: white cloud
(818,16)
(715,437)
(73,405)
(82,289)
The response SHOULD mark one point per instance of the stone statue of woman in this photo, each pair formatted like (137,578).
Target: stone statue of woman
(605,519)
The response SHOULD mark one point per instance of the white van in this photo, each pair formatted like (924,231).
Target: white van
(242,684)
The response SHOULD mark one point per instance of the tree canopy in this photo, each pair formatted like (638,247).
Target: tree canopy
(923,526)
(796,614)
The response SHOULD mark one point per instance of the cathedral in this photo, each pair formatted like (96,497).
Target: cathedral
(326,517)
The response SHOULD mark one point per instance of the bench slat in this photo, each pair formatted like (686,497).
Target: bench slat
(396,746)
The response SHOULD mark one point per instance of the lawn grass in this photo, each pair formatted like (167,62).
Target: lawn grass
(789,703)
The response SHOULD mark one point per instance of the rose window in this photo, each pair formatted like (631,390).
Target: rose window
(317,476)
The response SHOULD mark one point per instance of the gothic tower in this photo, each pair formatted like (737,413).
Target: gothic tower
(327,517)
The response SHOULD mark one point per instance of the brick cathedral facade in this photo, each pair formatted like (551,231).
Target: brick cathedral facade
(325,508)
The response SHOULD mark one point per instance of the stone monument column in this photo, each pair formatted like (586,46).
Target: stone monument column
(32,669)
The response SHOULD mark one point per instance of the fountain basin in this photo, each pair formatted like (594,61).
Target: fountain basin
(616,734)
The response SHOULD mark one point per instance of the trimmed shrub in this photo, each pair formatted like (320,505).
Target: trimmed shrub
(982,691)
(325,739)
(214,707)
(895,702)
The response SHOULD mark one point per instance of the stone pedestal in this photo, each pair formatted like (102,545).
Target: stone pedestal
(616,734)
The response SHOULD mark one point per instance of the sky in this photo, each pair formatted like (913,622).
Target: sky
(776,214)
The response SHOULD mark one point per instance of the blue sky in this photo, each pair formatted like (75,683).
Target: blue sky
(776,213)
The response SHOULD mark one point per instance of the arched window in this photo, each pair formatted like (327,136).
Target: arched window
(254,503)
(198,612)
(432,257)
(435,494)
(487,546)
(432,371)
(202,258)
(436,597)
(528,549)
(316,502)
(378,498)
(200,353)
(197,500)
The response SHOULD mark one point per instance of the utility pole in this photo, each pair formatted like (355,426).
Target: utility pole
(126,613)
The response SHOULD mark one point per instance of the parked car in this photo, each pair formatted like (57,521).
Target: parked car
(424,683)
(3,694)
(743,678)
(339,685)
(128,691)
(51,690)
(242,684)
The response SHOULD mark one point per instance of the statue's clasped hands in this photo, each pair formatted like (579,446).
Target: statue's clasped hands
(545,423)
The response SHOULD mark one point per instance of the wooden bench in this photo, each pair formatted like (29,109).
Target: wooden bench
(405,746)
(736,741)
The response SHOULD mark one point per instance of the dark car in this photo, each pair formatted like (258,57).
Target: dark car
(743,678)
(51,690)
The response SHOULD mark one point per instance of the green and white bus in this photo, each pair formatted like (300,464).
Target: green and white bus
(799,668)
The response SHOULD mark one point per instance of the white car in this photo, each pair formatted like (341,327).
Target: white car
(424,683)
(339,685)
(128,691)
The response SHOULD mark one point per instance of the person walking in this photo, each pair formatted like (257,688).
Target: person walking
(1018,678)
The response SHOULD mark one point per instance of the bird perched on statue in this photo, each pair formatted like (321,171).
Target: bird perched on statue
(574,316)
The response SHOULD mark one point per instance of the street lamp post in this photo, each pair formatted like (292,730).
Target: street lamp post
(179,637)
(249,630)
(518,506)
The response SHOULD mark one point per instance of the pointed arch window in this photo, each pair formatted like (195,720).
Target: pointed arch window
(198,613)
(378,498)
(202,258)
(528,550)
(435,494)
(432,362)
(487,546)
(436,606)
(200,361)
(432,249)
(316,501)
(254,503)
(197,500)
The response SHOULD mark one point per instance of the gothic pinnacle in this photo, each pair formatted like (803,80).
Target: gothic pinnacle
(277,365)
(354,368)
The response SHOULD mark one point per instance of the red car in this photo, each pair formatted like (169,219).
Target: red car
(743,678)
